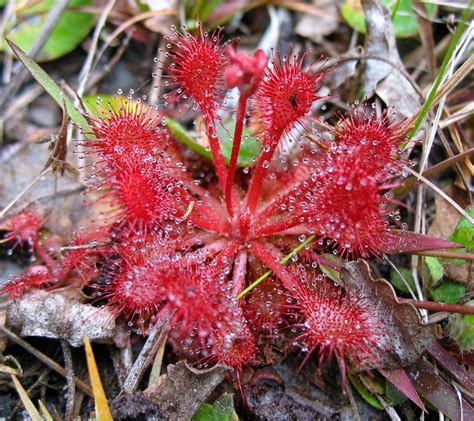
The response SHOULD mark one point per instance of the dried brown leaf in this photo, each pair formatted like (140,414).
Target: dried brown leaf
(3,339)
(317,25)
(181,391)
(384,72)
(58,148)
(161,23)
(406,338)
(426,35)
(49,315)
(443,225)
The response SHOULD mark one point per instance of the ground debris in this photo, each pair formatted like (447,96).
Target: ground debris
(133,407)
(384,73)
(179,393)
(51,315)
(406,338)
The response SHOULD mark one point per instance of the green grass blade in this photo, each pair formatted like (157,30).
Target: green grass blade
(180,133)
(283,261)
(49,85)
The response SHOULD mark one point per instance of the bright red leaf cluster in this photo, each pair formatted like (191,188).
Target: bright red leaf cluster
(170,247)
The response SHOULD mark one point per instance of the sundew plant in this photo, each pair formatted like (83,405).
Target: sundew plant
(238,258)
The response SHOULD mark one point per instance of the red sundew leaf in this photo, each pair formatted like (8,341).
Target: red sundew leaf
(407,241)
(454,369)
(406,338)
(439,393)
(399,378)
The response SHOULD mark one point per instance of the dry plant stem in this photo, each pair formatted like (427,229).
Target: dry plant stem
(435,306)
(394,267)
(415,260)
(436,169)
(87,66)
(107,67)
(461,114)
(443,194)
(71,387)
(155,91)
(23,192)
(23,100)
(439,99)
(352,401)
(390,410)
(51,20)
(453,81)
(351,56)
(39,382)
(459,170)
(84,77)
(45,359)
(157,362)
(156,335)
(445,254)
(127,24)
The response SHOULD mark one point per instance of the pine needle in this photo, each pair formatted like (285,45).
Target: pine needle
(47,416)
(27,403)
(101,404)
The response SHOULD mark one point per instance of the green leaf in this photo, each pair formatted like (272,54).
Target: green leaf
(364,392)
(221,410)
(331,273)
(435,267)
(181,134)
(462,329)
(98,104)
(404,19)
(397,281)
(250,147)
(49,85)
(394,396)
(464,231)
(200,10)
(448,292)
(71,29)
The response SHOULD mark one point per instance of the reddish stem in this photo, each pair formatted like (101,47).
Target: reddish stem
(445,254)
(217,156)
(240,270)
(207,215)
(435,306)
(280,226)
(239,127)
(258,176)
(207,223)
(264,252)
(43,254)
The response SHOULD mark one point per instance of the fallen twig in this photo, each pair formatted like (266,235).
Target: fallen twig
(45,359)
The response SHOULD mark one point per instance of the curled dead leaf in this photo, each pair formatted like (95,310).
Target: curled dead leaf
(405,337)
(384,73)
(50,315)
(179,393)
